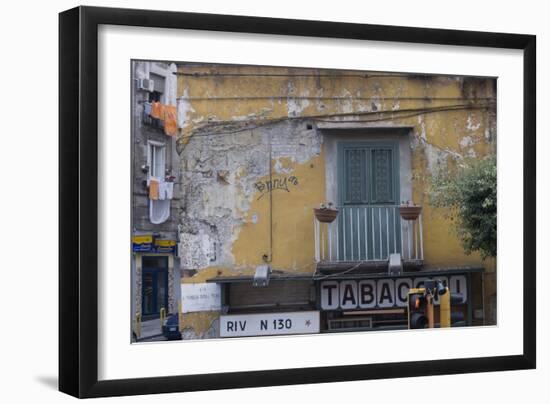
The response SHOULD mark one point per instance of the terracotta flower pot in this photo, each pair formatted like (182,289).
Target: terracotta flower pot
(410,212)
(326,215)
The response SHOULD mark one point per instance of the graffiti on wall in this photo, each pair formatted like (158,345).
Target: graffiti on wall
(282,183)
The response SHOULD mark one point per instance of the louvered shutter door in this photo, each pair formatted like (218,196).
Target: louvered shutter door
(382,177)
(355,176)
(368,223)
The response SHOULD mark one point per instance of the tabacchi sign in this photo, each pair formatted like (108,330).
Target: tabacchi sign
(380,293)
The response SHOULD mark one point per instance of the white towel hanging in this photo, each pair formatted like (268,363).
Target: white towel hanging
(159,211)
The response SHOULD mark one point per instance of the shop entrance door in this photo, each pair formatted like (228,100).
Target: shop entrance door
(154,285)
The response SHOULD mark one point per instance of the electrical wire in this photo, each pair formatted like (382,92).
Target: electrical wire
(258,123)
(357,113)
(302,97)
(299,75)
(338,273)
(404,116)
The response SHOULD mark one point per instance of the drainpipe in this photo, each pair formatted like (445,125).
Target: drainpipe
(269,256)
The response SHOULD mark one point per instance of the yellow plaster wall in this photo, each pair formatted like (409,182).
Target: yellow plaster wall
(440,141)
(293,247)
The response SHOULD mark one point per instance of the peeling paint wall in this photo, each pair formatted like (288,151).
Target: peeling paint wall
(233,118)
(226,198)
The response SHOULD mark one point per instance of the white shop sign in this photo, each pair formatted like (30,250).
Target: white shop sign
(200,297)
(380,293)
(247,325)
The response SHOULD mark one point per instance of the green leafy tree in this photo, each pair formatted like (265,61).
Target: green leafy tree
(470,195)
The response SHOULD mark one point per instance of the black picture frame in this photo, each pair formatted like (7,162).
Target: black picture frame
(78,196)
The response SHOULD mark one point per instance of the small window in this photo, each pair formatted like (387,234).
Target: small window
(156,159)
(159,87)
(155,96)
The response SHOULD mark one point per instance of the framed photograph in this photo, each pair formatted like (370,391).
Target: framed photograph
(251,201)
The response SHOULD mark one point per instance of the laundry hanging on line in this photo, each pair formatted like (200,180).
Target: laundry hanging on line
(159,211)
(168,114)
(157,110)
(170,120)
(160,193)
(154,189)
(147,108)
(166,190)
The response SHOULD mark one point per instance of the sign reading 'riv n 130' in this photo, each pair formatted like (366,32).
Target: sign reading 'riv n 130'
(246,325)
(380,293)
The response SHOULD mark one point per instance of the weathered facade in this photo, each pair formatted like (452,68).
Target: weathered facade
(155,266)
(259,148)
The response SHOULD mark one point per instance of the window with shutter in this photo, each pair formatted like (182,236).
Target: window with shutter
(369,221)
(368,174)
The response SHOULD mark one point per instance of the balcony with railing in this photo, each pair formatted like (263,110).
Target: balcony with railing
(368,234)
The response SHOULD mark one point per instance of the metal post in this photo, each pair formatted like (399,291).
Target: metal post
(394,230)
(337,238)
(316,237)
(358,237)
(415,233)
(387,233)
(409,237)
(380,228)
(180,314)
(351,232)
(372,224)
(138,325)
(162,316)
(421,239)
(344,230)
(366,235)
(445,309)
(430,311)
(322,233)
(329,231)
(402,234)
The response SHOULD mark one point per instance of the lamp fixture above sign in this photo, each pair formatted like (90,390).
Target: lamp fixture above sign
(261,276)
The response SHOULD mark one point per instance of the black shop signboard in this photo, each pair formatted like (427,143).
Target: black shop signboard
(381,293)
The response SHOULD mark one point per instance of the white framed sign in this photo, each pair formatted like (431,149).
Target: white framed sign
(200,297)
(247,325)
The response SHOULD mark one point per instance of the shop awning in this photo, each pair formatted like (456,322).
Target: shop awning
(273,277)
(426,272)
(337,274)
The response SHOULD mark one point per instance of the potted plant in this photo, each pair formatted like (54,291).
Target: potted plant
(409,211)
(325,213)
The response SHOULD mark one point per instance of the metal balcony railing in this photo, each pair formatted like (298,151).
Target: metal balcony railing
(368,233)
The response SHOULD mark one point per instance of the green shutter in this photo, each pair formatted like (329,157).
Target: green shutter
(355,176)
(368,174)
(382,176)
(368,222)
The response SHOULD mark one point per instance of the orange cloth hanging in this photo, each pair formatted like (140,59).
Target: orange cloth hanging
(170,120)
(154,189)
(157,110)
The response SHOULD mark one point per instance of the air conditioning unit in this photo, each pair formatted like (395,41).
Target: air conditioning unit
(146,84)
